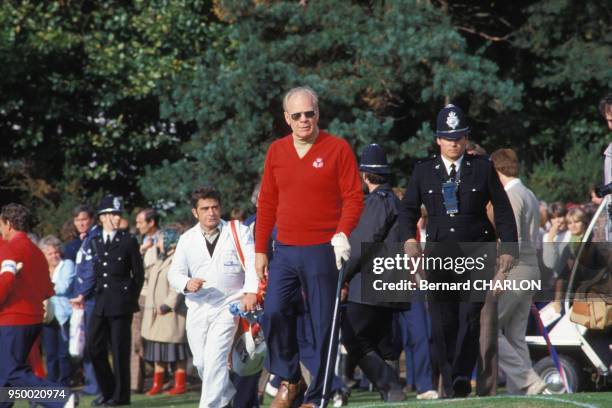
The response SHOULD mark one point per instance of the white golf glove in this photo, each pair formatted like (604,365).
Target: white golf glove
(11,266)
(342,248)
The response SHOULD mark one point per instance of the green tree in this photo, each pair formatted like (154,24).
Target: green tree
(580,168)
(150,98)
(382,70)
(78,100)
(560,51)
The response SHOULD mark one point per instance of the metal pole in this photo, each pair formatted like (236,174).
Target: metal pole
(332,337)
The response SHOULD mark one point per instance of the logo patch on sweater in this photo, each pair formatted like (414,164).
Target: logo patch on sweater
(318,163)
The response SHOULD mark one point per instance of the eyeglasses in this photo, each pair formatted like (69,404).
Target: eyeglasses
(298,115)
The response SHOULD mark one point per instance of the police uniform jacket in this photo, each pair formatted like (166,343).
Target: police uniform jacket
(478,184)
(85,283)
(119,275)
(378,223)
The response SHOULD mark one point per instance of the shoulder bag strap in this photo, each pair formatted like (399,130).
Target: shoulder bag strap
(237,243)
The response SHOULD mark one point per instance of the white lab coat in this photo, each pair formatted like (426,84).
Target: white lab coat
(210,325)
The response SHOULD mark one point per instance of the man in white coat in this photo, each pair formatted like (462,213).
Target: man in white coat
(514,305)
(206,268)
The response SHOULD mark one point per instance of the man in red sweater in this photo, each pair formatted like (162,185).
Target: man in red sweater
(24,284)
(312,192)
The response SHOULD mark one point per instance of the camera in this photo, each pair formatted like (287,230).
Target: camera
(603,190)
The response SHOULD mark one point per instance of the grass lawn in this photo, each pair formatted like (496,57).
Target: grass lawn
(360,399)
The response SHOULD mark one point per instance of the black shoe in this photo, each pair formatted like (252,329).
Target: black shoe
(112,403)
(86,391)
(383,376)
(350,382)
(461,387)
(99,401)
(394,395)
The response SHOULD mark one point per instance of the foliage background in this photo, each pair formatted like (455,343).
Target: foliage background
(149,99)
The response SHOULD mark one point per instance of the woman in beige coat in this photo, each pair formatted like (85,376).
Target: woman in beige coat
(163,321)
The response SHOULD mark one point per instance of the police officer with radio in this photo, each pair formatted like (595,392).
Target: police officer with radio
(119,279)
(367,324)
(455,188)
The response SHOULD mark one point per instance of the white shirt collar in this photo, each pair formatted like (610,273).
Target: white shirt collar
(447,164)
(512,183)
(214,232)
(108,234)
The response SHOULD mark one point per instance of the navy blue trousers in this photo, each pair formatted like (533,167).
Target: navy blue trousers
(310,270)
(117,331)
(455,331)
(15,345)
(308,351)
(415,329)
(247,387)
(246,390)
(55,347)
(91,384)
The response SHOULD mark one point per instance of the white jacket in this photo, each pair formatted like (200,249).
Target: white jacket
(223,275)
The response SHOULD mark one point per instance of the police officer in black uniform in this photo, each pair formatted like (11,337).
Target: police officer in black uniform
(455,188)
(119,279)
(367,325)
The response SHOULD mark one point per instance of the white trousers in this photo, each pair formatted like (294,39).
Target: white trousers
(210,333)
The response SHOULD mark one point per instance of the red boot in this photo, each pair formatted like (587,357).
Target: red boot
(180,379)
(158,382)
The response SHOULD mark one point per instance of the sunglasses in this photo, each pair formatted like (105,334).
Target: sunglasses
(298,115)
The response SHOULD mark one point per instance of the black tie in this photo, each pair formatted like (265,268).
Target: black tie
(453,172)
(108,241)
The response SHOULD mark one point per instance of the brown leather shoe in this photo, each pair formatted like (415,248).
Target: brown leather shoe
(287,393)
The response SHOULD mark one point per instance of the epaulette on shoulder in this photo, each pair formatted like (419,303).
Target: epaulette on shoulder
(382,193)
(427,159)
(480,157)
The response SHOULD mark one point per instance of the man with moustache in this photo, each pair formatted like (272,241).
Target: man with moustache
(455,188)
(207,269)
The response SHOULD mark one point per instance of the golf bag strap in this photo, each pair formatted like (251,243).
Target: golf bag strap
(237,243)
(263,283)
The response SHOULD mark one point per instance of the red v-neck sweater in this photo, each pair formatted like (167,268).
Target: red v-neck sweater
(309,199)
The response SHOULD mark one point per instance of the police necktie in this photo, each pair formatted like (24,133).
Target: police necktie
(453,172)
(107,241)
